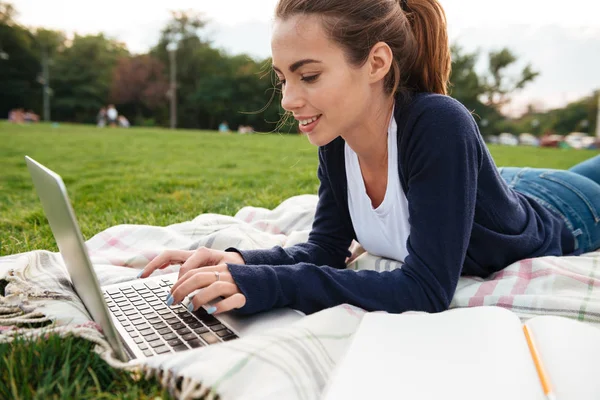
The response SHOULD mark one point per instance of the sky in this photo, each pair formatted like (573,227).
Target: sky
(561,39)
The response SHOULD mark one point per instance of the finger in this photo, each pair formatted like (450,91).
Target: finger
(210,289)
(192,280)
(165,259)
(210,293)
(218,268)
(237,300)
(200,258)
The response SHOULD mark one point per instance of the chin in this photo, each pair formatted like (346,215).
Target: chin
(319,138)
(318,141)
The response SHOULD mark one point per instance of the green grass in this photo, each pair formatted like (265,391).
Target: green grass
(146,176)
(65,368)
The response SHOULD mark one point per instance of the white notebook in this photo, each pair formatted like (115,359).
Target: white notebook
(468,353)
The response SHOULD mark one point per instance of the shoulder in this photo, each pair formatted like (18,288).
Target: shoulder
(438,128)
(432,118)
(435,109)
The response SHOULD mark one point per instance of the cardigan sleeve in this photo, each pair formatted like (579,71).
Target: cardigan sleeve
(328,241)
(443,154)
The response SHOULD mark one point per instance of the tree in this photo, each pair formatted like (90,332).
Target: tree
(184,25)
(139,83)
(194,59)
(579,115)
(19,68)
(211,85)
(49,43)
(465,84)
(484,94)
(82,76)
(7,13)
(49,40)
(468,88)
(241,93)
(498,87)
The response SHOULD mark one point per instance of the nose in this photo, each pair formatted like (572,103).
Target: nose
(292,98)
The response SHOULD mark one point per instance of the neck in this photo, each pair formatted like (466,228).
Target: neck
(369,138)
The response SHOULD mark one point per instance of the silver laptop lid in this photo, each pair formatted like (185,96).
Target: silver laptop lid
(55,202)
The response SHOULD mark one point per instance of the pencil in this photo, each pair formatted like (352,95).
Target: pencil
(546,386)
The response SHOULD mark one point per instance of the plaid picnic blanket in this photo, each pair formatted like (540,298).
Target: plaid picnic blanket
(292,362)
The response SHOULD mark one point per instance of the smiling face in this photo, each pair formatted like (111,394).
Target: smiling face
(326,94)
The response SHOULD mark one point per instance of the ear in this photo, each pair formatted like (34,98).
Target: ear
(379,61)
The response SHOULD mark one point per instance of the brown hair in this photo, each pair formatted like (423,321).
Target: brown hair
(415,31)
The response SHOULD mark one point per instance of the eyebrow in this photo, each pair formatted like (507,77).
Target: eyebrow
(298,64)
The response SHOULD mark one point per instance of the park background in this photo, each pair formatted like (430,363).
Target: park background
(520,67)
(64,60)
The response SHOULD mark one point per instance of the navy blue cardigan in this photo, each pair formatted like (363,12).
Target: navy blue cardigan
(463,219)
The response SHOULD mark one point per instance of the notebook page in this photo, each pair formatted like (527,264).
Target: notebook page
(472,353)
(570,351)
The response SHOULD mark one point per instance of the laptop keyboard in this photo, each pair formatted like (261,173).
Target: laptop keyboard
(159,329)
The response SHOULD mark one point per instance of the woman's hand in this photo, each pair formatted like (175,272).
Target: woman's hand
(190,259)
(206,284)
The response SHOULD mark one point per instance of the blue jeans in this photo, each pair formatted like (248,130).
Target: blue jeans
(573,194)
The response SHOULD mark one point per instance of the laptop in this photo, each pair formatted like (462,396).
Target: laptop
(133,315)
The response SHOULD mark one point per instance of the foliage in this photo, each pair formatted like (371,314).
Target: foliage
(465,83)
(485,94)
(184,25)
(82,77)
(213,86)
(140,82)
(7,13)
(578,116)
(19,68)
(50,41)
(498,86)
(87,72)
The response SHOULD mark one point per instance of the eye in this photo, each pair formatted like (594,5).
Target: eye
(279,81)
(310,78)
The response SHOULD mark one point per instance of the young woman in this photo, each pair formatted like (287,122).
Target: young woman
(403,170)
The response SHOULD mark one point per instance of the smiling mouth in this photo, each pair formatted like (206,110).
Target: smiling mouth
(308,121)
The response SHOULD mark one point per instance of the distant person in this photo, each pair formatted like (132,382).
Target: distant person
(101,118)
(224,127)
(30,117)
(12,116)
(549,139)
(123,121)
(16,116)
(111,115)
(403,170)
(243,129)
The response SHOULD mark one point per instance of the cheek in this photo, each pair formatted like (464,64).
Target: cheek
(341,97)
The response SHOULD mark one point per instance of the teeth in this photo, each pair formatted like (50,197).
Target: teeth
(308,121)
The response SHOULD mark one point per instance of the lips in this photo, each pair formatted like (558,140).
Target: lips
(307,125)
(306,121)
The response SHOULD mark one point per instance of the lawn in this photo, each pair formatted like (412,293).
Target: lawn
(146,176)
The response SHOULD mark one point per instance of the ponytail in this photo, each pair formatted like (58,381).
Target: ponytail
(430,71)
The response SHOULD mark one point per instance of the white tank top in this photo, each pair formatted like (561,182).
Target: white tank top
(382,231)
